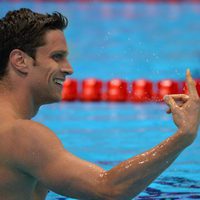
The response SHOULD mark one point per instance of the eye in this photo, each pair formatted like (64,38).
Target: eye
(58,57)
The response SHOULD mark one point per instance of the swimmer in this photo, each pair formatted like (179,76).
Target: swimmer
(33,66)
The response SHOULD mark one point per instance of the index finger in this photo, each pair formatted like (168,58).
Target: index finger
(191,85)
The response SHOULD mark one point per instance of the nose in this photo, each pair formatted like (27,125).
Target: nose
(67,69)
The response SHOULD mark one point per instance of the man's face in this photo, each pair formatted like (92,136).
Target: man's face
(50,68)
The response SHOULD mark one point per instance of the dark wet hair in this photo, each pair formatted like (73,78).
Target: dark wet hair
(24,29)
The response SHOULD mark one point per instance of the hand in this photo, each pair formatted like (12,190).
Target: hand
(186,109)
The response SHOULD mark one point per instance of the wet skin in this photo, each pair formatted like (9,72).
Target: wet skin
(50,63)
(27,166)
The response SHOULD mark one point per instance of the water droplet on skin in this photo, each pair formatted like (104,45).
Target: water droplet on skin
(168,139)
(154,154)
(161,146)
(129,161)
(92,167)
(141,162)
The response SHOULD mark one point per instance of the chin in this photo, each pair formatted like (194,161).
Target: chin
(53,99)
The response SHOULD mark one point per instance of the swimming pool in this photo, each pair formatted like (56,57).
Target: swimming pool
(108,133)
(129,41)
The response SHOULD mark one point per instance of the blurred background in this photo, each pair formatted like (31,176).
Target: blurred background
(129,40)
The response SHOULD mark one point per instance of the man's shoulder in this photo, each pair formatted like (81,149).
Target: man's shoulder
(32,132)
(28,137)
(23,126)
(20,128)
(25,123)
(27,144)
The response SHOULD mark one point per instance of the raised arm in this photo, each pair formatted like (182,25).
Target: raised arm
(45,158)
(132,176)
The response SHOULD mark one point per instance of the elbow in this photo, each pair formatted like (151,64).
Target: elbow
(116,194)
(107,188)
(109,192)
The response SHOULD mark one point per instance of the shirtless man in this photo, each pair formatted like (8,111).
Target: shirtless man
(33,65)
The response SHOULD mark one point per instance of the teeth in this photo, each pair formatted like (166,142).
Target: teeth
(59,81)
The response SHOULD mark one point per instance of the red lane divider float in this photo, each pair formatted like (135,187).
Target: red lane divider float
(142,91)
(118,90)
(185,88)
(165,87)
(70,90)
(91,90)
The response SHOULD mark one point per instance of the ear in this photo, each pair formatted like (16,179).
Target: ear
(19,61)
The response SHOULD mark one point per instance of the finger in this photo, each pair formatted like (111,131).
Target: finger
(180,100)
(170,102)
(168,111)
(191,84)
(180,97)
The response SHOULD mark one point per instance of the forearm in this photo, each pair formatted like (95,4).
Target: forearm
(132,176)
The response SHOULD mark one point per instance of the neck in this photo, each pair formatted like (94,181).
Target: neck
(17,103)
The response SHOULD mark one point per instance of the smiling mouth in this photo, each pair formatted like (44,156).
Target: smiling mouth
(59,81)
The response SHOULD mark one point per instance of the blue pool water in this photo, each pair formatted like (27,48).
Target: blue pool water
(108,133)
(129,41)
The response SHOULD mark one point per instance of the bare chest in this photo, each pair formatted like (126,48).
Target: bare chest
(15,184)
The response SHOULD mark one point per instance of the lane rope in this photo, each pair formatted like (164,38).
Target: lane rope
(119,90)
